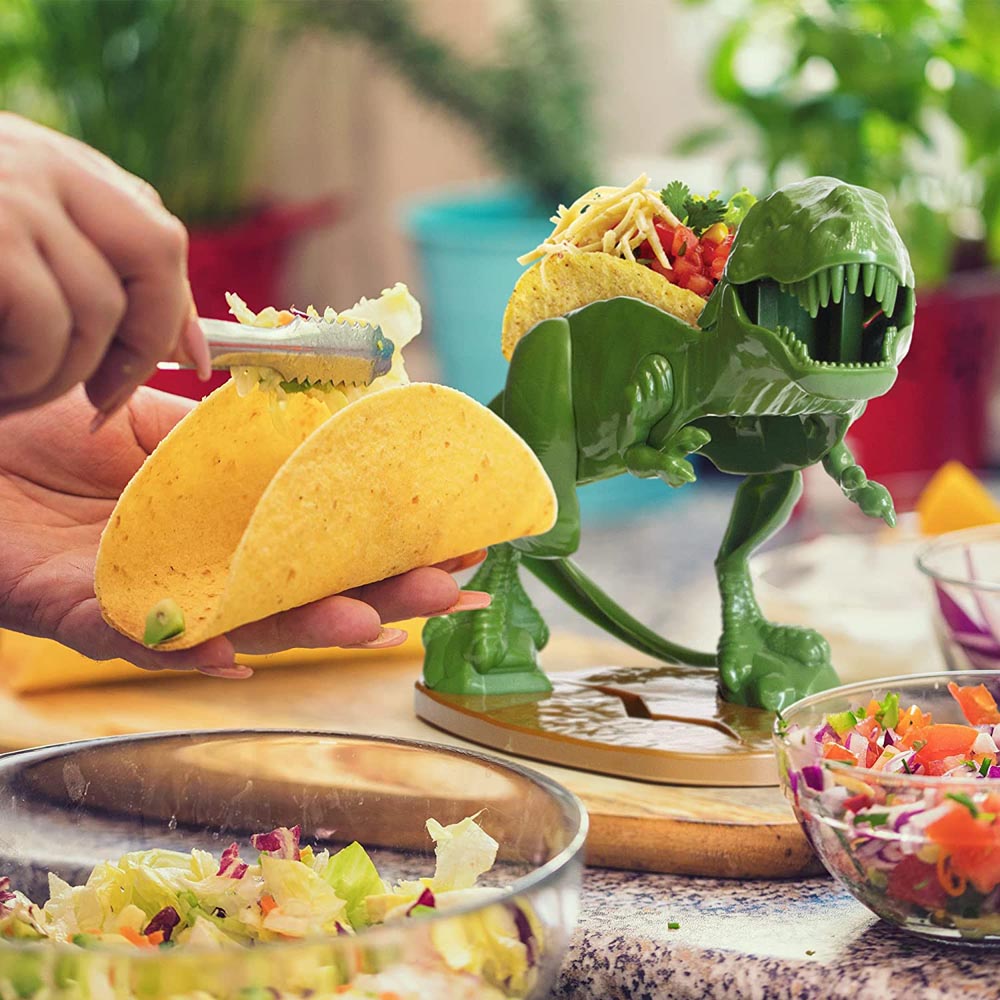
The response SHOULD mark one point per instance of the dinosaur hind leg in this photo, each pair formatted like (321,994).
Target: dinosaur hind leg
(761,663)
(493,651)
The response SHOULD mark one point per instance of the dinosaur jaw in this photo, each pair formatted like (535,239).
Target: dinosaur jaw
(841,379)
(843,329)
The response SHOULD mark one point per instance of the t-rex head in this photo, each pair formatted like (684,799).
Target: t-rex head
(819,276)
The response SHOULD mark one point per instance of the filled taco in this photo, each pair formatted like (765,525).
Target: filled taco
(261,500)
(666,247)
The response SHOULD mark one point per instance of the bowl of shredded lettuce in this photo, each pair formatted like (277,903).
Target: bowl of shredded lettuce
(273,865)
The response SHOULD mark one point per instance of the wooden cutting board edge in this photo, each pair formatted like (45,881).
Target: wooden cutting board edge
(714,832)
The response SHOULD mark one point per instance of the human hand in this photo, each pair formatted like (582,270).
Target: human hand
(94,284)
(58,486)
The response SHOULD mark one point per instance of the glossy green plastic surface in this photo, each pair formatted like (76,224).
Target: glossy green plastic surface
(810,320)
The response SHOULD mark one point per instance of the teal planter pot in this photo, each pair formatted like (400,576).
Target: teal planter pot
(468,245)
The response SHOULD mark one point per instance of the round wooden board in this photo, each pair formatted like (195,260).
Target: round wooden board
(713,831)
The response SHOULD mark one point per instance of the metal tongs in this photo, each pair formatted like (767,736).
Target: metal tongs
(307,349)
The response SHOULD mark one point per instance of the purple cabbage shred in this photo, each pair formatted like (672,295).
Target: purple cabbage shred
(166,920)
(280,842)
(524,932)
(231,866)
(426,898)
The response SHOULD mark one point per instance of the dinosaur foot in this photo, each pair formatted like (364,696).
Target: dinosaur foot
(773,665)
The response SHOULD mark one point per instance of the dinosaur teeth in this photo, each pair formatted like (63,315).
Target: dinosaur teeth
(881,283)
(823,284)
(837,283)
(868,272)
(812,296)
(888,297)
(852,273)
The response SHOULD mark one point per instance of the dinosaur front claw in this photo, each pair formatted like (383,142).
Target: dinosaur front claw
(669,462)
(873,498)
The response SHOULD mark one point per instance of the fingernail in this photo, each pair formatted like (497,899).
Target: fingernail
(229,671)
(194,344)
(468,600)
(386,638)
(472,559)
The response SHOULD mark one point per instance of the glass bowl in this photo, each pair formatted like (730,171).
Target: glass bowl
(963,568)
(65,808)
(888,860)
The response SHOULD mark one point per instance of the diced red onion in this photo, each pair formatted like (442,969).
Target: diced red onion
(812,775)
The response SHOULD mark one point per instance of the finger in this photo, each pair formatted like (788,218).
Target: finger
(85,630)
(149,332)
(459,563)
(35,326)
(91,288)
(333,621)
(416,594)
(193,348)
(153,414)
(148,248)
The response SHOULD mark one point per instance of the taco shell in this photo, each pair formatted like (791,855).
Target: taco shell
(236,515)
(560,283)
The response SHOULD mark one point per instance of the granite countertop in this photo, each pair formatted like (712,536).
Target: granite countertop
(736,939)
(754,939)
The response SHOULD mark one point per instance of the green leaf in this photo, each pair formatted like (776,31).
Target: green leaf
(675,196)
(354,877)
(702,213)
(739,205)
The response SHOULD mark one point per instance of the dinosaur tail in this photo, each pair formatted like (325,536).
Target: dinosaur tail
(573,586)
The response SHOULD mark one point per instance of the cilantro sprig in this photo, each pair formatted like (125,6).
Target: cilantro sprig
(695,212)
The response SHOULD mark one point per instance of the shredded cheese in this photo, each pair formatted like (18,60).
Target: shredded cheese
(609,220)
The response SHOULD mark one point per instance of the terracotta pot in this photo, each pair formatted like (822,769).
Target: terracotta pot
(247,256)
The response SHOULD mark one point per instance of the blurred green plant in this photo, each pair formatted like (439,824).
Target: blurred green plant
(529,107)
(169,89)
(902,96)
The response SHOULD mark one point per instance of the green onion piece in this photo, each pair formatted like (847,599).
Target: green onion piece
(673,925)
(965,800)
(875,819)
(984,768)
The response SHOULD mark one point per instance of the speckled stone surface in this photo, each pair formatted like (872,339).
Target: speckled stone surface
(755,939)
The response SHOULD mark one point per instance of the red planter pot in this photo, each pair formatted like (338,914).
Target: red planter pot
(938,408)
(246,256)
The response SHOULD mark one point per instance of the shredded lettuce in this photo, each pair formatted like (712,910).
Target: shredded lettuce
(464,851)
(354,877)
